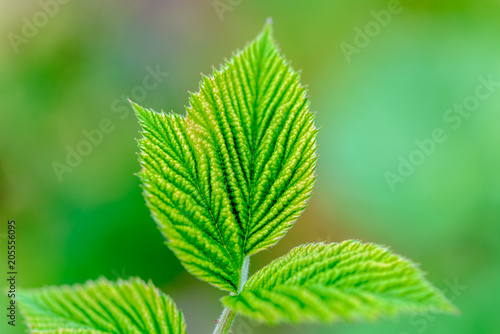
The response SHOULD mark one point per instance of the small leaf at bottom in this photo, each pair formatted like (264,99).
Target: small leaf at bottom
(101,307)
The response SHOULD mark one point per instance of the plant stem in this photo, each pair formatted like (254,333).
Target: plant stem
(225,322)
(244,273)
(227,317)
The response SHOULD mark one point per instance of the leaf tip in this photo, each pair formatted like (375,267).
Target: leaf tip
(453,310)
(267,30)
(137,108)
(141,113)
(447,307)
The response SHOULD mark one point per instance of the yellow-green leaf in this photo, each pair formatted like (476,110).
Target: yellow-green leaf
(101,307)
(231,177)
(340,281)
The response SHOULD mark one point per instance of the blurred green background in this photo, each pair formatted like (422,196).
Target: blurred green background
(80,60)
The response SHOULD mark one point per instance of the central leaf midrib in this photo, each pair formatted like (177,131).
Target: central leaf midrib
(253,148)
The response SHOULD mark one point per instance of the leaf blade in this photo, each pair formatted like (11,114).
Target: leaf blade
(240,164)
(101,307)
(343,281)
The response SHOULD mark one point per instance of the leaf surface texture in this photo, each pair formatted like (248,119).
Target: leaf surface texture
(340,281)
(231,177)
(101,307)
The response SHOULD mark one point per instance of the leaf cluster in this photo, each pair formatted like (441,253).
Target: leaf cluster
(224,182)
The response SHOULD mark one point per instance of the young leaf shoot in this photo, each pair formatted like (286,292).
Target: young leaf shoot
(224,182)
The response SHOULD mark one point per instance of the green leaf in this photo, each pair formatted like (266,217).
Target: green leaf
(339,281)
(101,307)
(231,177)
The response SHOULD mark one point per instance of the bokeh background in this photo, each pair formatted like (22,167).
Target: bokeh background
(68,73)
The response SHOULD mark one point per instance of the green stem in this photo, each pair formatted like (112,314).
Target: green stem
(227,317)
(244,273)
(225,322)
